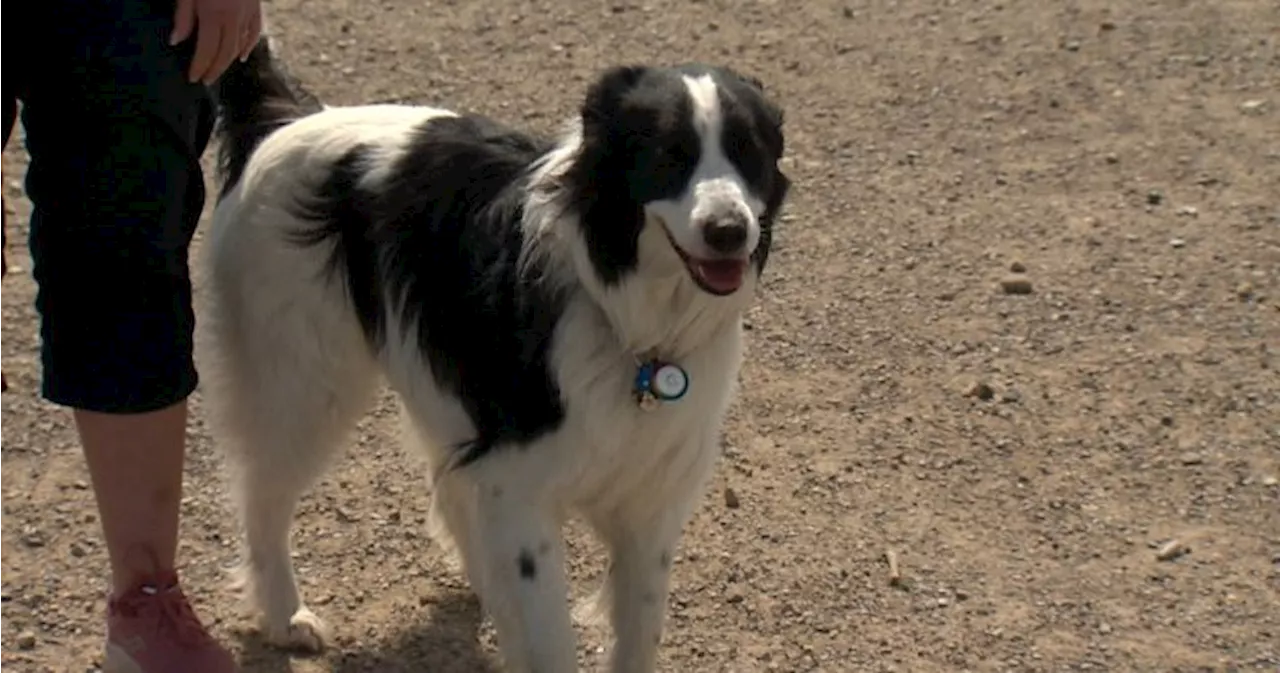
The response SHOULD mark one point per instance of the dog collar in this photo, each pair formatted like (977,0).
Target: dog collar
(657,382)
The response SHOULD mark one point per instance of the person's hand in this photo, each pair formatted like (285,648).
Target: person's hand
(224,30)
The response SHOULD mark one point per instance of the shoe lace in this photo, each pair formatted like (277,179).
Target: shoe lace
(168,609)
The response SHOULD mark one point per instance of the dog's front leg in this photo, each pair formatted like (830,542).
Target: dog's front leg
(524,587)
(639,580)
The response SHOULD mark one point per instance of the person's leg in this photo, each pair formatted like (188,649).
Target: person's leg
(135,462)
(117,192)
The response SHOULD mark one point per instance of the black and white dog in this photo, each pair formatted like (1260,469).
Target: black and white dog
(562,322)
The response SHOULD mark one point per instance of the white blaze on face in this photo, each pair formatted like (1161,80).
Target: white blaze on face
(716,188)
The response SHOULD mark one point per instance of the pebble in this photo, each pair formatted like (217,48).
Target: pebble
(980,390)
(1104,628)
(1191,458)
(1178,243)
(1018,267)
(1189,211)
(77,550)
(1252,106)
(1270,481)
(26,640)
(1245,291)
(33,538)
(1016,285)
(1154,197)
(731,498)
(1113,158)
(1171,550)
(1010,396)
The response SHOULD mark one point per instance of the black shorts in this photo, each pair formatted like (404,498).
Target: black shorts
(115,133)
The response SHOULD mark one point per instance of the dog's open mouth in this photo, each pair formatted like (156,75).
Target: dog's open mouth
(720,277)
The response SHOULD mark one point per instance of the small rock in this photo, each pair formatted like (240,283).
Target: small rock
(1104,628)
(1244,291)
(1016,285)
(1191,458)
(731,499)
(77,550)
(1166,421)
(1155,197)
(944,602)
(26,640)
(1011,396)
(33,538)
(1270,481)
(1177,243)
(1018,267)
(1189,211)
(1071,45)
(1112,158)
(734,596)
(1252,106)
(1171,550)
(1202,60)
(980,390)
(1107,26)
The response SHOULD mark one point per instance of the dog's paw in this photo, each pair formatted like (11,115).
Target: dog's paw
(305,632)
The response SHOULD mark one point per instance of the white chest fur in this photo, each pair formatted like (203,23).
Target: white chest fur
(609,447)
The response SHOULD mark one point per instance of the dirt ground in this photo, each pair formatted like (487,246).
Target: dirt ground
(1127,154)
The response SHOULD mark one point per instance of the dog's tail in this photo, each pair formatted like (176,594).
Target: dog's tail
(255,98)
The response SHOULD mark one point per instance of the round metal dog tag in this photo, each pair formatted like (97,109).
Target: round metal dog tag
(670,382)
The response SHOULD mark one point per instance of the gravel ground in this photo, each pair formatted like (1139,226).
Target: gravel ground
(1020,330)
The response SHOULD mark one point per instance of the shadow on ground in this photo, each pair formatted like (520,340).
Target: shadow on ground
(446,642)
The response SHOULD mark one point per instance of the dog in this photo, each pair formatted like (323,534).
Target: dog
(560,318)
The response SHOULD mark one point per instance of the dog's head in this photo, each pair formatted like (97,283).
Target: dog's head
(678,173)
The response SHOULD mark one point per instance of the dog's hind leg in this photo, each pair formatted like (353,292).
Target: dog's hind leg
(289,381)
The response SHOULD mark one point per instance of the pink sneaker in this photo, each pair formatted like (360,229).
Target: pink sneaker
(152,629)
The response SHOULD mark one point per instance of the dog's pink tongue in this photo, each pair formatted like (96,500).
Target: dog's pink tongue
(723,275)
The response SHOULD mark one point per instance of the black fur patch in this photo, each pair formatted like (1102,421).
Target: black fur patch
(442,238)
(528,567)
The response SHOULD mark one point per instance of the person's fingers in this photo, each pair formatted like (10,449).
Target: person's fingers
(184,21)
(253,30)
(228,50)
(209,36)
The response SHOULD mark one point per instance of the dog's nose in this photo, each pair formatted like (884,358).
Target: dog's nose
(726,234)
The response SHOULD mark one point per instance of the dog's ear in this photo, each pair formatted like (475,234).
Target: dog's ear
(605,95)
(772,112)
